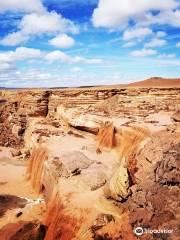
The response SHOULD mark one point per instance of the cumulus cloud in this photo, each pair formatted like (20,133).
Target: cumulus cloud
(49,22)
(21,53)
(62,41)
(21,5)
(169,17)
(156,43)
(136,33)
(57,56)
(143,53)
(114,14)
(65,58)
(36,24)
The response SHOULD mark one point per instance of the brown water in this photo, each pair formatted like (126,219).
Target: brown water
(14,183)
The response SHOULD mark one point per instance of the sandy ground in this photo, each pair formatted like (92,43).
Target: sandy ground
(13,182)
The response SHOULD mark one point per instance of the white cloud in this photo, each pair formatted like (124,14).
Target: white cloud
(21,5)
(9,58)
(6,57)
(129,44)
(36,24)
(136,33)
(49,22)
(26,78)
(65,58)
(62,41)
(143,53)
(178,44)
(114,14)
(21,53)
(165,56)
(5,66)
(168,17)
(156,43)
(57,56)
(13,39)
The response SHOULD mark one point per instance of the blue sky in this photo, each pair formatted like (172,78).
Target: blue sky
(61,43)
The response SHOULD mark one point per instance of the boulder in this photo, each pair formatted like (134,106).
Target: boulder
(79,120)
(15,152)
(70,163)
(94,177)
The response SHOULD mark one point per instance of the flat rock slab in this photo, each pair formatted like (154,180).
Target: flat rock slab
(71,163)
(94,176)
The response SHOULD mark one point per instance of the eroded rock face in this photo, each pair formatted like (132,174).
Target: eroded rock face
(167,172)
(17,106)
(12,127)
(126,141)
(14,114)
(153,202)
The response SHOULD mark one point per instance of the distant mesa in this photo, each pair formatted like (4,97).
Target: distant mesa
(157,82)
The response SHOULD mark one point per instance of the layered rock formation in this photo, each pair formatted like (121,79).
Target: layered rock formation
(102,158)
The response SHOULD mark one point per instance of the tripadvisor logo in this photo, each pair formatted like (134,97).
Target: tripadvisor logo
(139,231)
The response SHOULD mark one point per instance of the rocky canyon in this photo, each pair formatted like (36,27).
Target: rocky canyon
(98,163)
